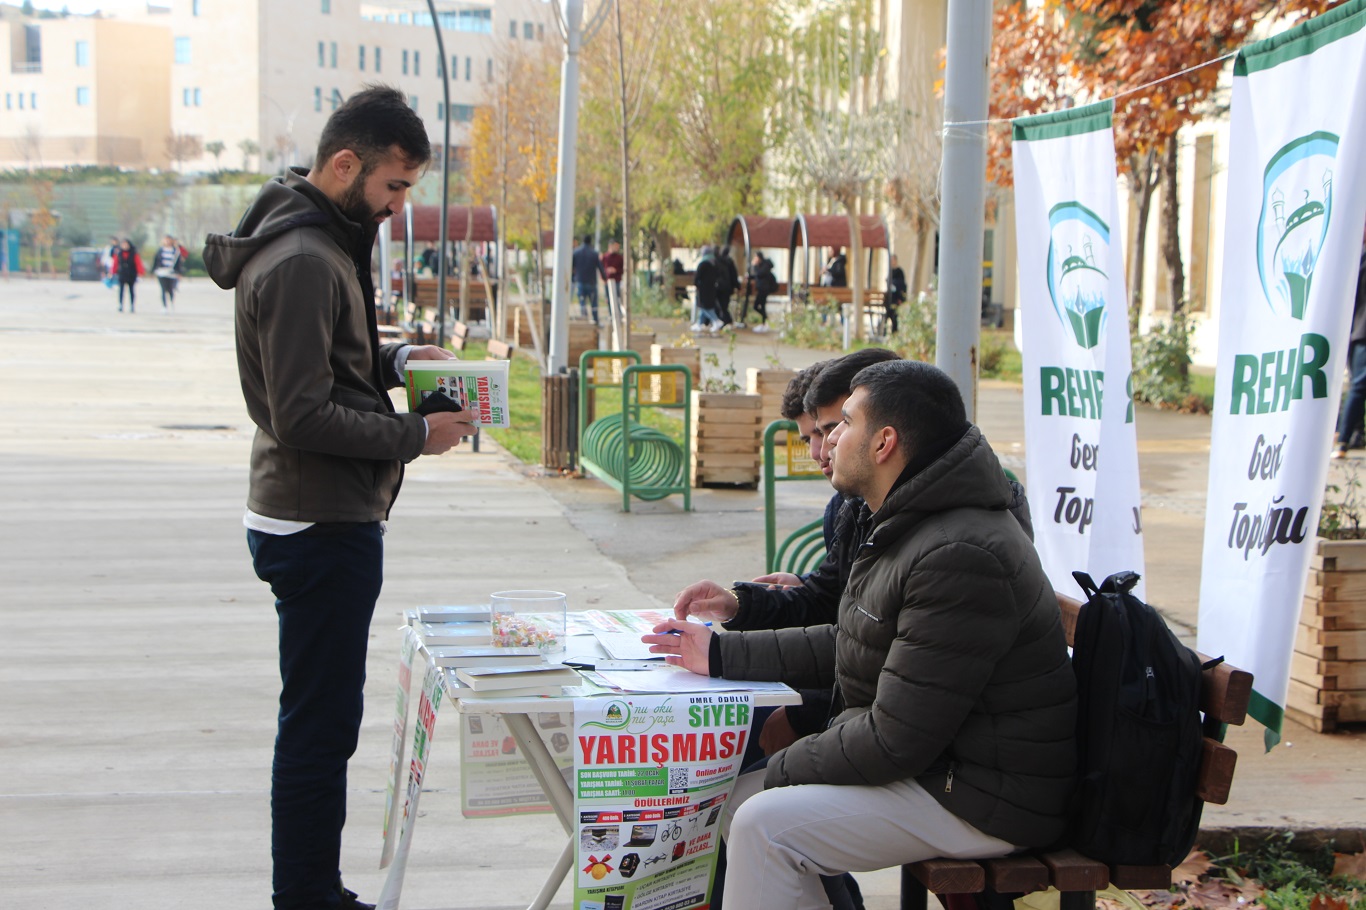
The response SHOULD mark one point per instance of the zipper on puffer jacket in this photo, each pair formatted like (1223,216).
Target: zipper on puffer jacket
(948,781)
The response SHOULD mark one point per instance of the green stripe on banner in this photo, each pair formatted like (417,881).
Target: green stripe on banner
(1071,122)
(1303,39)
(1269,714)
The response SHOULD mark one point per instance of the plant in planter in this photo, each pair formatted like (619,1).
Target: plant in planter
(1328,667)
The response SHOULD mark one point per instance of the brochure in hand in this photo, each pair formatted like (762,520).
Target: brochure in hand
(480,386)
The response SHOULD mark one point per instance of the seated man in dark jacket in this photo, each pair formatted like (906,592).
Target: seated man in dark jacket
(956,701)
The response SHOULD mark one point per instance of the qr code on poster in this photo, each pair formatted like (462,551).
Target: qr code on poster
(678,780)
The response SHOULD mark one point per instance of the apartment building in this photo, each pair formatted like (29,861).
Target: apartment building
(259,77)
(83,90)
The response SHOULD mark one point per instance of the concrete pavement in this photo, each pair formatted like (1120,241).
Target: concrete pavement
(137,649)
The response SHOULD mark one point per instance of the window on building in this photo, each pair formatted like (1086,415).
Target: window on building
(412,102)
(405,63)
(336,99)
(82,96)
(327,7)
(322,54)
(33,101)
(334,55)
(198,98)
(467,69)
(528,31)
(194,8)
(462,113)
(488,69)
(540,32)
(362,58)
(417,63)
(512,28)
(9,101)
(377,59)
(83,53)
(21,101)
(317,97)
(440,111)
(182,50)
(184,97)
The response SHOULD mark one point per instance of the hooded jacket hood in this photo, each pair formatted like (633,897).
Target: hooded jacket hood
(284,203)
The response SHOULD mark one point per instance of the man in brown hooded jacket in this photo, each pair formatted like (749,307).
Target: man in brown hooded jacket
(328,456)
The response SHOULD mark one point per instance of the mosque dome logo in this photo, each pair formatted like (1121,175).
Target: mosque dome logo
(1078,245)
(1297,205)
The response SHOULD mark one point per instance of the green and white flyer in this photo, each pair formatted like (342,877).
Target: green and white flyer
(652,777)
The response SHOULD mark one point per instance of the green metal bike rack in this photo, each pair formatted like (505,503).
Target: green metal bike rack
(619,449)
(803,549)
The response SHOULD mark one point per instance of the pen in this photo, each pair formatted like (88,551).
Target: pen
(680,631)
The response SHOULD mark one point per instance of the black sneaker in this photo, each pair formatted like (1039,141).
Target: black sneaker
(349,900)
(1357,440)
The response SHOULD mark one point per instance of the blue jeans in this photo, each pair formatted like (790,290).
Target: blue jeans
(1350,418)
(588,295)
(325,581)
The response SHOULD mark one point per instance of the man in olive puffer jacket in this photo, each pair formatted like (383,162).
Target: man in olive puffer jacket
(955,699)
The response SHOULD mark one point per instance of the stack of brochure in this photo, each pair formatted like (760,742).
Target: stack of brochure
(516,681)
(483,656)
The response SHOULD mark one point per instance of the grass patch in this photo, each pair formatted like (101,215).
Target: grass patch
(523,439)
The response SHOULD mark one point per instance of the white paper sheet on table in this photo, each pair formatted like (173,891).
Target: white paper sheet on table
(676,679)
(625,646)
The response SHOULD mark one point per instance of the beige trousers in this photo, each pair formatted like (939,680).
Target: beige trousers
(780,841)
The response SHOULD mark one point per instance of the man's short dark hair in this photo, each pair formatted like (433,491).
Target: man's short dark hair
(916,399)
(833,382)
(792,407)
(587,239)
(370,123)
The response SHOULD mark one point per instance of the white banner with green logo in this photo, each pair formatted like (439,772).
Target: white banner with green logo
(1296,204)
(1081,456)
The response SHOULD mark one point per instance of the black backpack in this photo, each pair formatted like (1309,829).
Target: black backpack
(1139,737)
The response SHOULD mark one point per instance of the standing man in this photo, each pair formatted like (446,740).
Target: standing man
(896,291)
(327,460)
(952,731)
(727,283)
(587,266)
(704,285)
(1350,418)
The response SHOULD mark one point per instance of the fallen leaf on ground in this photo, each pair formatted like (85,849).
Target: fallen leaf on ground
(1325,902)
(1350,865)
(1196,864)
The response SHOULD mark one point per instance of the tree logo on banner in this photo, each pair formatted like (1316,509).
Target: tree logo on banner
(1297,204)
(1077,241)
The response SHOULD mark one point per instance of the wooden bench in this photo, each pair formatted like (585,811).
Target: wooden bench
(460,334)
(1224,694)
(426,293)
(500,350)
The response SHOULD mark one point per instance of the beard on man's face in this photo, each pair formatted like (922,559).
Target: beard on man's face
(354,205)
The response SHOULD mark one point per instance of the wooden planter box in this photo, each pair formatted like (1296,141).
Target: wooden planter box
(1328,668)
(689,357)
(769,385)
(641,343)
(583,336)
(726,434)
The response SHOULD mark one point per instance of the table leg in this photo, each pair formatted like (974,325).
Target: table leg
(543,766)
(556,790)
(557,874)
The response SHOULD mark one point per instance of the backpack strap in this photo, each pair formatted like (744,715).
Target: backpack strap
(1087,584)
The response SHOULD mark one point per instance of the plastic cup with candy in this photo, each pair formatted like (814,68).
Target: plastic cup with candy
(529,619)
